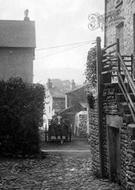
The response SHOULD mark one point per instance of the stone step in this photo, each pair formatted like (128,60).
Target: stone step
(123,106)
(121,98)
(127,118)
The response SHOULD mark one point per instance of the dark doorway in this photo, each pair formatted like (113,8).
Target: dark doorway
(134,43)
(120,36)
(114,153)
(134,31)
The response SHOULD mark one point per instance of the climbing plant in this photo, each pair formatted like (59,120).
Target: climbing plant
(90,71)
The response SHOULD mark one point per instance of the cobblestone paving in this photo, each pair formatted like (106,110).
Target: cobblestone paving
(58,171)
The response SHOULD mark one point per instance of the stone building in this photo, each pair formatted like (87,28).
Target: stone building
(76,110)
(120,23)
(55,100)
(17,48)
(112,119)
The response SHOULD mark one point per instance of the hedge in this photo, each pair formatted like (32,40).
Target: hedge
(21,115)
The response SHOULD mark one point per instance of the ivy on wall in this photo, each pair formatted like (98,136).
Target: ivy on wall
(90,71)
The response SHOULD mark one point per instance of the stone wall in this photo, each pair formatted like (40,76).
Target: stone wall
(94,139)
(130,173)
(120,24)
(83,124)
(123,152)
(109,108)
(126,139)
(116,15)
(58,104)
(105,156)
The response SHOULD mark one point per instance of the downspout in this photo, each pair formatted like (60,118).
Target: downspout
(105,24)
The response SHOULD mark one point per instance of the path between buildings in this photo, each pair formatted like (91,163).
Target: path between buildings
(63,167)
(73,169)
(77,144)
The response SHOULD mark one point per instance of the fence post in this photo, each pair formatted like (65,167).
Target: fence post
(132,66)
(99,98)
(118,51)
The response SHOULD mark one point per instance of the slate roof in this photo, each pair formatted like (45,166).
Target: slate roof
(14,33)
(83,104)
(56,93)
(75,108)
(83,87)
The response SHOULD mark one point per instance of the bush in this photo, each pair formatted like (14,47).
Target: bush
(90,71)
(21,113)
(91,100)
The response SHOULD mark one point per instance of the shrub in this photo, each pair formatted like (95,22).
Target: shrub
(90,71)
(21,113)
(91,100)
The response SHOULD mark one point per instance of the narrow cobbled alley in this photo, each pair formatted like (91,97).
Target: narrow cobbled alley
(65,167)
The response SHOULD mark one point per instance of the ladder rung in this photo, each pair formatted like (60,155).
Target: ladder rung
(106,60)
(109,71)
(106,66)
(105,72)
(126,56)
(126,60)
(110,46)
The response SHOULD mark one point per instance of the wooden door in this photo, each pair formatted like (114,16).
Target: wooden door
(114,153)
(134,45)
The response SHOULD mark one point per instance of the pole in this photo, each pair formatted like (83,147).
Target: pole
(99,98)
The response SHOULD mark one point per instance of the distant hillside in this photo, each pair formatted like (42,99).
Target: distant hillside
(63,74)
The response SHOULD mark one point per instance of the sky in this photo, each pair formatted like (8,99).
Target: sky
(58,23)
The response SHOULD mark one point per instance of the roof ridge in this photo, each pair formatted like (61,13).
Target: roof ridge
(76,88)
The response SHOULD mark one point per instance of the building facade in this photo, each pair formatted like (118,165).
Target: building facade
(111,120)
(17,49)
(76,110)
(54,101)
(120,23)
(76,95)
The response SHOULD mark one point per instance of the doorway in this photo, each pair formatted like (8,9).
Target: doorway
(120,36)
(134,44)
(114,153)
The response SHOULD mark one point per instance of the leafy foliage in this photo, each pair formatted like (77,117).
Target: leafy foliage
(21,113)
(90,71)
(91,100)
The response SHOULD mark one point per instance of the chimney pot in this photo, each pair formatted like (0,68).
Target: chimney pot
(26,13)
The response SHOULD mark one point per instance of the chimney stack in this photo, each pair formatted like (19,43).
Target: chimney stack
(26,13)
(49,83)
(73,85)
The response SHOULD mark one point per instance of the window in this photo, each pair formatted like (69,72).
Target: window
(120,36)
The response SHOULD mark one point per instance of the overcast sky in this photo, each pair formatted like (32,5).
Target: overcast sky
(58,22)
